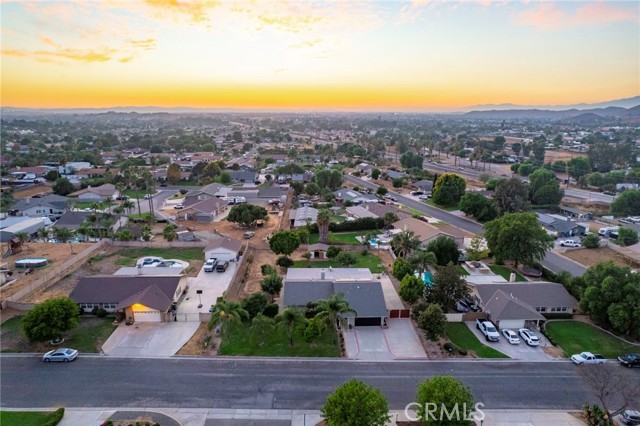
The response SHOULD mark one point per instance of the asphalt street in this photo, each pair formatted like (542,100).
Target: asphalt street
(552,261)
(99,381)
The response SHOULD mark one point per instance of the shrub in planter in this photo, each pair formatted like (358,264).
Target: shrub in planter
(101,313)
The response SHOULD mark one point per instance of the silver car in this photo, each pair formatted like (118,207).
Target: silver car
(62,355)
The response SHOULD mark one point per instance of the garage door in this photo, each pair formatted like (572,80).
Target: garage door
(367,322)
(512,324)
(147,316)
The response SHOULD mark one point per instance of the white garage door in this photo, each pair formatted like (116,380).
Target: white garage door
(512,324)
(147,316)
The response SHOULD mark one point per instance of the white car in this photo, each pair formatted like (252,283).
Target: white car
(178,206)
(210,264)
(511,336)
(60,355)
(528,336)
(424,197)
(570,243)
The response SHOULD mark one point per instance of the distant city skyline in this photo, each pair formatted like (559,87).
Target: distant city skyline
(408,56)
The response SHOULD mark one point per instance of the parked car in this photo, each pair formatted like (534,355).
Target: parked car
(178,207)
(570,243)
(630,360)
(416,193)
(630,417)
(249,234)
(511,336)
(424,197)
(488,329)
(222,266)
(587,358)
(210,264)
(473,304)
(462,307)
(147,196)
(529,337)
(122,198)
(60,355)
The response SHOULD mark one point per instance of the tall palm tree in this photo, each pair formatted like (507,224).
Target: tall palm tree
(43,234)
(332,308)
(404,243)
(389,218)
(323,220)
(83,230)
(95,207)
(226,312)
(128,205)
(422,259)
(289,319)
(261,325)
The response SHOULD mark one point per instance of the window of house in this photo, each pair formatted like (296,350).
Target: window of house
(541,309)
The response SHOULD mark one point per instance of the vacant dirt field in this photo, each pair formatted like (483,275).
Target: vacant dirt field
(195,345)
(41,189)
(590,257)
(55,253)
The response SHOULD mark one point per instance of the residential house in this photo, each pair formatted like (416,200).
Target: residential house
(344,194)
(72,167)
(394,174)
(575,213)
(72,220)
(423,185)
(10,227)
(51,206)
(36,172)
(240,176)
(206,210)
(364,168)
(98,193)
(357,285)
(512,305)
(358,212)
(91,173)
(425,232)
(303,215)
(224,249)
(379,210)
(140,298)
(561,226)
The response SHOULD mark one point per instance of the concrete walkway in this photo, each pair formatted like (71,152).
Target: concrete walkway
(230,417)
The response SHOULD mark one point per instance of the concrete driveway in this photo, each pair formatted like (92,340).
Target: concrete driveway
(213,285)
(159,339)
(398,341)
(522,351)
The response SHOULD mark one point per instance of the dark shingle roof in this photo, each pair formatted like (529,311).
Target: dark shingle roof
(151,297)
(502,306)
(535,294)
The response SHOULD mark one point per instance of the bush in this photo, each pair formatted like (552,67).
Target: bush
(267,270)
(417,309)
(284,261)
(183,191)
(271,310)
(346,259)
(448,347)
(333,251)
(55,417)
(101,313)
(591,241)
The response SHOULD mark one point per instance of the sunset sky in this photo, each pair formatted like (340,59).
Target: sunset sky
(352,55)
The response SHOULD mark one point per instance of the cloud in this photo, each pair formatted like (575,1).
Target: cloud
(548,16)
(102,55)
(146,44)
(197,10)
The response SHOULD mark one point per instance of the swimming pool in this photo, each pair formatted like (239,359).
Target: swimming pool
(426,277)
(31,262)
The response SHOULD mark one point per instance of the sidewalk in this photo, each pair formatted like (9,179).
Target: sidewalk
(231,417)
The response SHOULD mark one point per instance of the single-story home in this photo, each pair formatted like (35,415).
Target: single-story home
(303,215)
(511,305)
(560,226)
(72,220)
(51,206)
(102,192)
(364,168)
(425,232)
(357,285)
(205,210)
(423,185)
(381,209)
(223,249)
(575,213)
(141,298)
(358,212)
(394,174)
(240,176)
(345,194)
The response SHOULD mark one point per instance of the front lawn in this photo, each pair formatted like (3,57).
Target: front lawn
(129,256)
(369,261)
(461,336)
(135,193)
(102,205)
(339,237)
(31,418)
(505,272)
(276,343)
(447,208)
(337,219)
(575,337)
(88,336)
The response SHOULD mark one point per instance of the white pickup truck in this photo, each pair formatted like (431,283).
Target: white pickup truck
(587,358)
(488,329)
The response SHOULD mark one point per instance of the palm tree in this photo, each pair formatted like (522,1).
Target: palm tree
(404,243)
(323,219)
(226,312)
(128,206)
(23,237)
(422,259)
(95,207)
(332,308)
(289,319)
(169,232)
(389,218)
(261,325)
(83,230)
(43,234)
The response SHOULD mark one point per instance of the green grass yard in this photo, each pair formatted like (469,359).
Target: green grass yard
(447,208)
(88,204)
(29,418)
(575,337)
(369,261)
(461,336)
(505,272)
(87,337)
(339,237)
(276,343)
(128,257)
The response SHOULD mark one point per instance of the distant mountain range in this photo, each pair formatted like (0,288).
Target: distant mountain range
(622,103)
(573,115)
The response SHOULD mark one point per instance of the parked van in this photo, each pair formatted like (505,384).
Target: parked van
(222,266)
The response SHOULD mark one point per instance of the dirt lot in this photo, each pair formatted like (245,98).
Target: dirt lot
(195,345)
(590,257)
(56,253)
(42,189)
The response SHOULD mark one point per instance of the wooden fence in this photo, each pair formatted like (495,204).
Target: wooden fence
(234,289)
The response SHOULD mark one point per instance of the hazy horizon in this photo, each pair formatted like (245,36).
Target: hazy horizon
(415,56)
